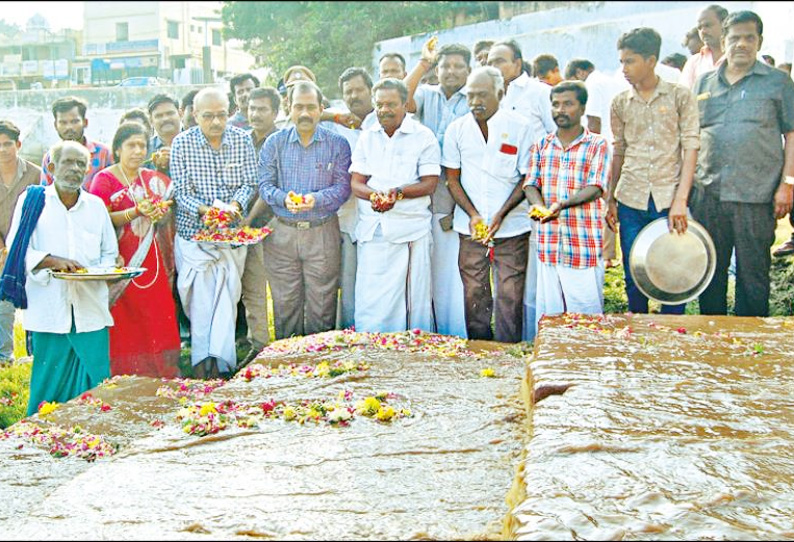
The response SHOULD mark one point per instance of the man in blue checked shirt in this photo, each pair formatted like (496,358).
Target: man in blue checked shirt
(303,177)
(212,164)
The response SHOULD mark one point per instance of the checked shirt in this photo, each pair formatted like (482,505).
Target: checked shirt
(201,174)
(573,239)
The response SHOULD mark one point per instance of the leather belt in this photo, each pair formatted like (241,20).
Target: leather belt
(306,224)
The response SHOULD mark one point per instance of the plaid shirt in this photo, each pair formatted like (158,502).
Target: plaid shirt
(239,121)
(573,239)
(101,157)
(319,169)
(201,174)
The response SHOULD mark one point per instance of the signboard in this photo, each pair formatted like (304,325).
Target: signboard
(30,67)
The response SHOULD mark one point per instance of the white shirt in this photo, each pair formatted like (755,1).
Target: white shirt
(531,98)
(601,88)
(83,233)
(490,171)
(347,213)
(389,162)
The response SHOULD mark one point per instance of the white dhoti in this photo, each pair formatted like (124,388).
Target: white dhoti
(393,285)
(448,298)
(347,283)
(531,289)
(209,285)
(564,289)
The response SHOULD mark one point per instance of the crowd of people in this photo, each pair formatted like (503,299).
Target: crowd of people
(462,199)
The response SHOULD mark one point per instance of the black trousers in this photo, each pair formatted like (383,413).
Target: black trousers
(750,229)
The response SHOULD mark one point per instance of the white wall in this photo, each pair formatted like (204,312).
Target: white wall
(592,31)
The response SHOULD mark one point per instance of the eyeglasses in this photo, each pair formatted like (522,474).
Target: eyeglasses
(209,117)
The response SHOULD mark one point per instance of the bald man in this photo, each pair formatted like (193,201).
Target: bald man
(212,164)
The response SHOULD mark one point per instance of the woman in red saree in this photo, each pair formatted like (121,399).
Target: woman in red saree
(144,339)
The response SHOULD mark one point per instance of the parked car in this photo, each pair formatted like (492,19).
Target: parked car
(142,82)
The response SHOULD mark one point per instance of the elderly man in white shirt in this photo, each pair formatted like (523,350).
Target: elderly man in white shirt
(486,155)
(68,320)
(528,97)
(395,168)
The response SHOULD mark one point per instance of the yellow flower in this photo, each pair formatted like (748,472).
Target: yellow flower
(385,414)
(322,369)
(289,413)
(487,373)
(368,407)
(48,408)
(207,408)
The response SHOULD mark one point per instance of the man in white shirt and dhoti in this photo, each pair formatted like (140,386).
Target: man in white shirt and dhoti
(395,167)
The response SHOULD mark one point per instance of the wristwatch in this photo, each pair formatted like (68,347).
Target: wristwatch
(400,194)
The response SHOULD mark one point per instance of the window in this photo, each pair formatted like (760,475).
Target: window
(216,37)
(122,32)
(173,30)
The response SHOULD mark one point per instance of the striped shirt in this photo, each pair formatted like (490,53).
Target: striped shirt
(573,239)
(319,169)
(202,174)
(101,157)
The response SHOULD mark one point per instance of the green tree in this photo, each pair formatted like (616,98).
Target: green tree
(328,37)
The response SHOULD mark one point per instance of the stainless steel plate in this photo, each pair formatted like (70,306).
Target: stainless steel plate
(669,267)
(101,273)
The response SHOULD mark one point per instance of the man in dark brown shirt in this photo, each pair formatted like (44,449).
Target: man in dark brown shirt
(16,175)
(745,176)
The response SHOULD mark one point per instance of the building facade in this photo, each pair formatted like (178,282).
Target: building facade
(176,41)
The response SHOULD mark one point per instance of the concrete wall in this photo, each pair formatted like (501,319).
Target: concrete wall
(592,30)
(30,110)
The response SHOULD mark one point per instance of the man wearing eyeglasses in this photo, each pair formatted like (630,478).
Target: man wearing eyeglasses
(212,165)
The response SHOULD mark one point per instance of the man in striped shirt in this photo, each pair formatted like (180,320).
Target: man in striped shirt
(568,173)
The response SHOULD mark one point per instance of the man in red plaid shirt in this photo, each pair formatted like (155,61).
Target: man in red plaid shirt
(568,172)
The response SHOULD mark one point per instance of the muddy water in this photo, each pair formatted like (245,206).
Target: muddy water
(441,473)
(653,427)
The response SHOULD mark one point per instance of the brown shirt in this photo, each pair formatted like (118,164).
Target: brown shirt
(27,174)
(651,137)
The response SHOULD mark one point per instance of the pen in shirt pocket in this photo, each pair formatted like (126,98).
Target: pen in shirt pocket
(330,166)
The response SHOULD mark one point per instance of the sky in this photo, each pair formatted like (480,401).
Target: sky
(59,14)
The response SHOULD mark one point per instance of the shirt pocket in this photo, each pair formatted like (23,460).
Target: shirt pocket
(755,111)
(404,168)
(88,247)
(502,165)
(712,110)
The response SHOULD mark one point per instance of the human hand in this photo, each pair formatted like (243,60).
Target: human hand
(297,203)
(553,213)
(784,198)
(676,217)
(162,158)
(612,214)
(349,120)
(57,263)
(429,53)
(383,201)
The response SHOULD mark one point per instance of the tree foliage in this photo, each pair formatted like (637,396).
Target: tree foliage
(328,37)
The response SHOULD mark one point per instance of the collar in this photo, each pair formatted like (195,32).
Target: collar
(584,137)
(662,87)
(408,126)
(759,68)
(206,142)
(520,81)
(51,193)
(293,136)
(438,90)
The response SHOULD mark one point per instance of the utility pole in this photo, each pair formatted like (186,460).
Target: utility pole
(206,52)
